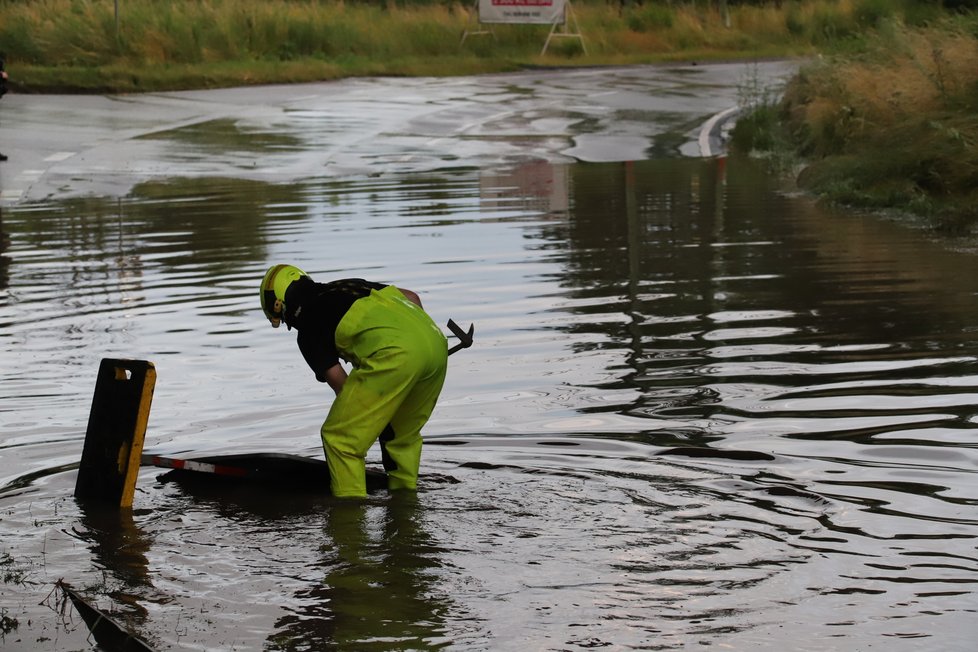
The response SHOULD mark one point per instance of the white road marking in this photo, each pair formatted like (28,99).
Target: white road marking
(704,139)
(59,156)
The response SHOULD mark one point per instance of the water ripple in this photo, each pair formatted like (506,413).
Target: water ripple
(698,412)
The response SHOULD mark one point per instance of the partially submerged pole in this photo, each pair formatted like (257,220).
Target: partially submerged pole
(116,430)
(109,634)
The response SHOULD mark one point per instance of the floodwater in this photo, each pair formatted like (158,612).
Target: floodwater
(700,411)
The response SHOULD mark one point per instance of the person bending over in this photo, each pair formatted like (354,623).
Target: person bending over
(398,356)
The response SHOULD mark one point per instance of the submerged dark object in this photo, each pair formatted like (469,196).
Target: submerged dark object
(268,470)
(697,451)
(110,635)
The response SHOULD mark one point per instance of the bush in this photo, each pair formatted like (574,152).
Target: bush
(870,13)
(896,125)
(650,17)
(830,23)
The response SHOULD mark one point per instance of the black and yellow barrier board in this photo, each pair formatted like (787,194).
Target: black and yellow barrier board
(116,430)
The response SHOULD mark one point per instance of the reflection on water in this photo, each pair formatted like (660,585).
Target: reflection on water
(376,583)
(700,411)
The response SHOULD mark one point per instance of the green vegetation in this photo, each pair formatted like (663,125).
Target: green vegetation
(79,45)
(9,574)
(888,122)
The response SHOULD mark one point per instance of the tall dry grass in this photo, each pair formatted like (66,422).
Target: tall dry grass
(897,124)
(151,32)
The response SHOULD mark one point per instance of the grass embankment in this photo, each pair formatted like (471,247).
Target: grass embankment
(77,45)
(890,124)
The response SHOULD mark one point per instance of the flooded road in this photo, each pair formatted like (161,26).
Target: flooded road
(77,146)
(700,411)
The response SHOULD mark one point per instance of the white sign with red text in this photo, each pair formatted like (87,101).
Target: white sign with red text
(547,12)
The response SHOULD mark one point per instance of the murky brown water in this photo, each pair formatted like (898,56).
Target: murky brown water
(699,412)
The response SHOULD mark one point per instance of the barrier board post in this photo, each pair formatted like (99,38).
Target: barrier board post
(569,18)
(475,17)
(116,429)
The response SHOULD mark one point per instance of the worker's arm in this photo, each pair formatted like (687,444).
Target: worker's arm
(336,377)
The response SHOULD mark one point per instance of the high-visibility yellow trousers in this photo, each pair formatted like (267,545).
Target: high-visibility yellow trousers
(399,358)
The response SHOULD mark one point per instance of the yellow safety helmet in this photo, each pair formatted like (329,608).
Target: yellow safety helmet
(277,280)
